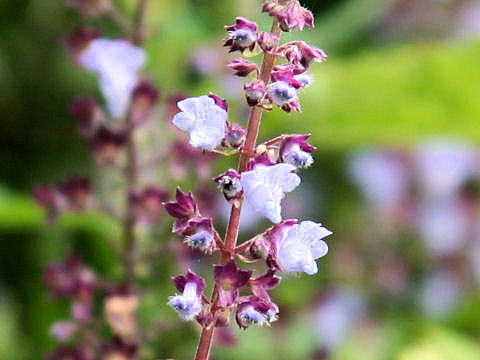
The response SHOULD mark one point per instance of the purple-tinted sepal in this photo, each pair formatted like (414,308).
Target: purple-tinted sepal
(291,16)
(222,103)
(229,183)
(144,97)
(79,39)
(296,150)
(254,92)
(117,348)
(120,309)
(184,207)
(254,311)
(243,67)
(91,8)
(264,283)
(259,248)
(77,192)
(268,42)
(148,204)
(199,234)
(230,278)
(242,35)
(89,115)
(235,136)
(106,144)
(263,159)
(275,235)
(301,54)
(286,75)
(78,352)
(181,280)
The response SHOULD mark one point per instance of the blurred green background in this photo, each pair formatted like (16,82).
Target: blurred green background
(399,72)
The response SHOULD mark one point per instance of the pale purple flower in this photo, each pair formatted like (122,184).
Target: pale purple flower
(382,177)
(265,187)
(189,303)
(444,226)
(297,246)
(440,293)
(205,121)
(117,62)
(336,316)
(63,330)
(443,166)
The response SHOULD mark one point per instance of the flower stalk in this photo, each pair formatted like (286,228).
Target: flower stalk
(228,252)
(131,171)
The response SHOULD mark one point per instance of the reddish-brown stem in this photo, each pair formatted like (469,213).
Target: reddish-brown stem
(206,337)
(131,171)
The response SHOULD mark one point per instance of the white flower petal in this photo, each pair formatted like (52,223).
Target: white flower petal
(264,187)
(203,119)
(117,63)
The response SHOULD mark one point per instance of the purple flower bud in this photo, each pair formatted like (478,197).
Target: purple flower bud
(268,42)
(219,101)
(199,234)
(106,145)
(89,115)
(77,193)
(253,311)
(148,204)
(189,303)
(254,92)
(229,183)
(243,67)
(242,35)
(118,349)
(79,39)
(144,97)
(291,16)
(235,136)
(91,8)
(184,207)
(230,278)
(300,53)
(296,150)
(63,330)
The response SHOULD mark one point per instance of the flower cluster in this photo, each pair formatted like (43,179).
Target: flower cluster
(266,173)
(122,133)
